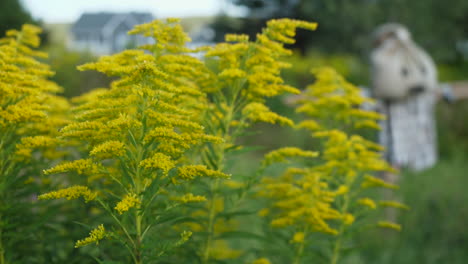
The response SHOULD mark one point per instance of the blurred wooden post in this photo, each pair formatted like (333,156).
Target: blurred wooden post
(458,90)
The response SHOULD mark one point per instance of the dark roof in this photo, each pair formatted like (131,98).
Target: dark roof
(97,21)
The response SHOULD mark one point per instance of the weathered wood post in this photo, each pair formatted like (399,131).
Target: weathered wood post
(404,80)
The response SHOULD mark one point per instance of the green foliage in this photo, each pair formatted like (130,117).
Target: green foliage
(348,66)
(434,230)
(345,26)
(12,15)
(64,62)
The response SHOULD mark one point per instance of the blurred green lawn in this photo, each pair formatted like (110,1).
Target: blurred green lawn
(435,230)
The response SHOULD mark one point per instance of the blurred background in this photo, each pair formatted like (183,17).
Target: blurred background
(435,230)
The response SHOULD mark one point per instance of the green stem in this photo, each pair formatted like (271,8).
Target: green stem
(214,188)
(138,215)
(337,245)
(2,250)
(138,222)
(211,221)
(300,249)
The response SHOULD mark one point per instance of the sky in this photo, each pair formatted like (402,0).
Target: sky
(66,11)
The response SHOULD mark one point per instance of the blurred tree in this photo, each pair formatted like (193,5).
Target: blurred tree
(64,62)
(12,15)
(345,25)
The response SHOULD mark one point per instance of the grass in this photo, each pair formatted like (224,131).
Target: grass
(435,230)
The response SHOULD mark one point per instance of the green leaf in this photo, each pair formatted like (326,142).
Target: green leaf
(241,234)
(235,213)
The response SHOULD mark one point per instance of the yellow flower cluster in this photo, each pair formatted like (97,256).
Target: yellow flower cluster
(139,136)
(95,236)
(321,198)
(190,172)
(170,36)
(184,237)
(298,237)
(246,72)
(261,261)
(70,193)
(393,204)
(158,161)
(281,155)
(28,144)
(367,202)
(81,166)
(371,181)
(28,106)
(129,201)
(332,98)
(390,225)
(258,112)
(220,250)
(348,159)
(301,198)
(190,198)
(108,149)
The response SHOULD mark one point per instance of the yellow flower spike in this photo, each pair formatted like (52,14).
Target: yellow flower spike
(184,237)
(261,261)
(309,124)
(389,225)
(190,198)
(81,166)
(263,212)
(158,161)
(280,155)
(371,181)
(394,204)
(128,202)
(70,193)
(108,149)
(257,112)
(220,250)
(342,190)
(367,202)
(232,73)
(348,219)
(95,236)
(190,172)
(298,237)
(234,184)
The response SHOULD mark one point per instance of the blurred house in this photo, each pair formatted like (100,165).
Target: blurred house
(106,33)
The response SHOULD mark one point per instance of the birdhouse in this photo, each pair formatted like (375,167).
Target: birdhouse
(400,68)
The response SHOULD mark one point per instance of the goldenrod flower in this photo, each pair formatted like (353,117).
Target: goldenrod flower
(70,193)
(129,201)
(190,172)
(261,261)
(190,198)
(390,225)
(371,181)
(280,155)
(257,112)
(393,204)
(298,237)
(108,149)
(81,166)
(367,202)
(95,236)
(158,161)
(348,219)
